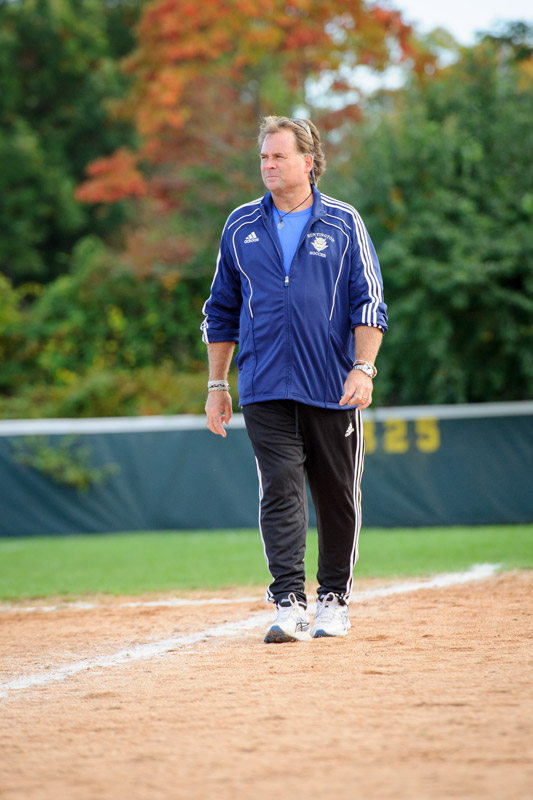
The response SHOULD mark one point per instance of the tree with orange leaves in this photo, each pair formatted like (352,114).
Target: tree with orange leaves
(202,74)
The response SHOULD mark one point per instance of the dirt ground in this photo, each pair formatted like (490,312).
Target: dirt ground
(429,697)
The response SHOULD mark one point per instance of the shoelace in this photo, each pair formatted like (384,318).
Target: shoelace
(327,607)
(294,610)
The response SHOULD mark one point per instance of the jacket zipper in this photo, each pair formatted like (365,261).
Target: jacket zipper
(286,284)
(288,334)
(287,323)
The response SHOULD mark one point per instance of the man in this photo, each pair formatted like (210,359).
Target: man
(298,286)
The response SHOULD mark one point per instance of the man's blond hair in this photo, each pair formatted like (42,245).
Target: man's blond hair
(307,139)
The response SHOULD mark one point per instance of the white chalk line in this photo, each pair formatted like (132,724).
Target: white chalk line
(172,602)
(143,652)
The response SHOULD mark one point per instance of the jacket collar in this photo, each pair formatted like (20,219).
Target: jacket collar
(317,209)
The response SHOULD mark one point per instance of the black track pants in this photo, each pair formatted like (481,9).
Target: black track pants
(291,440)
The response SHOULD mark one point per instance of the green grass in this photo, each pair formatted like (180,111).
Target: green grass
(133,563)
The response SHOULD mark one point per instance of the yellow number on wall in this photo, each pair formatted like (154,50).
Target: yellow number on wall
(395,439)
(369,430)
(427,435)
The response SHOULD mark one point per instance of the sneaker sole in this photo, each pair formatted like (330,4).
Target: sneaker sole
(322,634)
(275,635)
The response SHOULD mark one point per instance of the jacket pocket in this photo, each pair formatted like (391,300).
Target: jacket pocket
(245,350)
(339,365)
(339,352)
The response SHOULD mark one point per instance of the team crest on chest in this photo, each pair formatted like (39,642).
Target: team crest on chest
(319,243)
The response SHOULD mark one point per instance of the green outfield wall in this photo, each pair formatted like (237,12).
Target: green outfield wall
(432,465)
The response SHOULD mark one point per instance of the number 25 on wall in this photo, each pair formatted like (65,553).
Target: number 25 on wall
(395,435)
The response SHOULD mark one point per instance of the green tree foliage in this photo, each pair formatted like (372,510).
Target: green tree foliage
(100,315)
(96,338)
(58,72)
(444,180)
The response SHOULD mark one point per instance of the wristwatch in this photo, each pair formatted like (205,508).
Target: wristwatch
(366,367)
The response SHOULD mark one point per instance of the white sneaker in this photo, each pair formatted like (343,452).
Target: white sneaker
(331,617)
(291,624)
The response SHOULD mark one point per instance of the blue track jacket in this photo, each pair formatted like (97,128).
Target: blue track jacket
(295,331)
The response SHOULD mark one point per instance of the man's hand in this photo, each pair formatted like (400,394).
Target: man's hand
(357,390)
(218,409)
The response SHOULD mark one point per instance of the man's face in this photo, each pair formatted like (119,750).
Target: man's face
(283,168)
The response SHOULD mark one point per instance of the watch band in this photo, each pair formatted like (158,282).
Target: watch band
(367,367)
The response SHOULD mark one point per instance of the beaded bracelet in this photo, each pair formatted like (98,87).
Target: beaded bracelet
(218,386)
